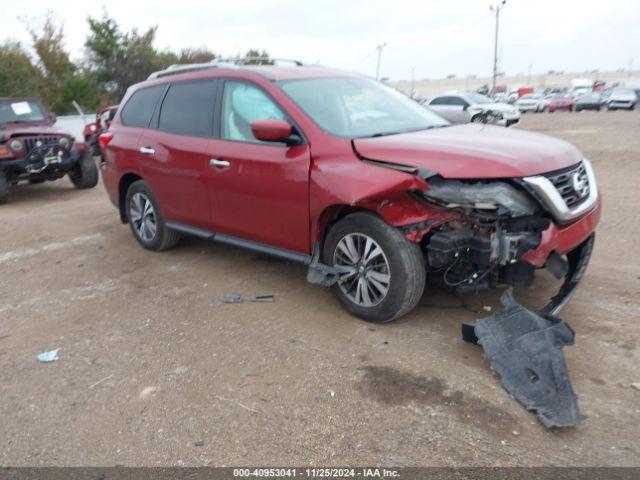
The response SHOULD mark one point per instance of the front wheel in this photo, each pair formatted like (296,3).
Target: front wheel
(382,273)
(85,175)
(146,220)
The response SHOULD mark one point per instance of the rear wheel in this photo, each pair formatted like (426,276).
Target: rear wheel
(383,273)
(85,175)
(146,220)
(4,188)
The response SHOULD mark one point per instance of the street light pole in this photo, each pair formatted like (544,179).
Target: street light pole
(379,47)
(498,7)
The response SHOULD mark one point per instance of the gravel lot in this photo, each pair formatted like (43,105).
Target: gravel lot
(156,370)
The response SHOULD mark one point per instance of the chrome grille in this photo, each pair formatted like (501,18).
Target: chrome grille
(572,185)
(31,142)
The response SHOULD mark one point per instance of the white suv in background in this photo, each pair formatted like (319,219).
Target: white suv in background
(622,98)
(474,107)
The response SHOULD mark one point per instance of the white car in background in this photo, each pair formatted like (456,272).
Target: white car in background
(622,98)
(532,102)
(474,107)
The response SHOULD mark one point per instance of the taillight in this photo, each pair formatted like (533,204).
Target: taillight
(104,140)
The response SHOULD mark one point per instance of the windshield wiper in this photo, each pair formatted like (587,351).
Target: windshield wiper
(384,134)
(13,122)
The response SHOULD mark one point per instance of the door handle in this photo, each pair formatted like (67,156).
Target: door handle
(214,162)
(147,150)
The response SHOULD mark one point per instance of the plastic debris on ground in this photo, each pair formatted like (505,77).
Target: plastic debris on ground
(47,357)
(247,298)
(525,349)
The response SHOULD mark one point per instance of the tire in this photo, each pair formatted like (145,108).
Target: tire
(85,174)
(36,181)
(632,107)
(141,219)
(4,188)
(479,118)
(400,260)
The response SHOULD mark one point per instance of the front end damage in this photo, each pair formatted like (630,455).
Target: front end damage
(478,234)
(483,234)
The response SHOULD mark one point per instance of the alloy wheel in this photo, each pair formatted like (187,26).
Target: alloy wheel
(365,277)
(143,216)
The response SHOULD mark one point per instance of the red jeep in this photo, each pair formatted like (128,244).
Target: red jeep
(33,150)
(375,193)
(92,130)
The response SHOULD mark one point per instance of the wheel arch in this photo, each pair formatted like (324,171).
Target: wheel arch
(123,186)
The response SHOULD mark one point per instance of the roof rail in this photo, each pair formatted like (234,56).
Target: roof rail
(230,62)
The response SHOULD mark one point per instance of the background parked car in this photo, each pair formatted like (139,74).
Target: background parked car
(531,102)
(590,101)
(473,107)
(622,98)
(561,102)
(93,130)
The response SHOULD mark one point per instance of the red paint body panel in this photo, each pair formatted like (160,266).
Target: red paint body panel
(473,151)
(263,195)
(177,174)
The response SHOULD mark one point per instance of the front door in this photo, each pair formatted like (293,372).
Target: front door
(259,191)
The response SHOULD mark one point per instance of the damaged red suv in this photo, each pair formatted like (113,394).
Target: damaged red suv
(376,194)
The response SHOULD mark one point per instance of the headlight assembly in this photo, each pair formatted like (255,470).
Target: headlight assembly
(64,142)
(16,145)
(492,197)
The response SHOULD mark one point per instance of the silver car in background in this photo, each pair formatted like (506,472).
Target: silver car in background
(474,107)
(622,98)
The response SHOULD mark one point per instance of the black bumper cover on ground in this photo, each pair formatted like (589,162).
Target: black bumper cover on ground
(526,350)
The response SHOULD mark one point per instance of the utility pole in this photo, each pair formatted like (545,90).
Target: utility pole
(379,47)
(497,9)
(413,82)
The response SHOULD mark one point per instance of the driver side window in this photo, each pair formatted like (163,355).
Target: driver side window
(243,103)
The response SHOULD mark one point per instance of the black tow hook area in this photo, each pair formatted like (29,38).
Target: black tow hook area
(526,351)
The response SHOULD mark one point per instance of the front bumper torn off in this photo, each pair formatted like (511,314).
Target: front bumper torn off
(525,349)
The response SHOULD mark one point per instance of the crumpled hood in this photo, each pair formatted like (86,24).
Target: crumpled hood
(472,151)
(496,107)
(19,130)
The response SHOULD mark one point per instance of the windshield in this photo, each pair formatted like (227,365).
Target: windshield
(477,98)
(22,111)
(359,107)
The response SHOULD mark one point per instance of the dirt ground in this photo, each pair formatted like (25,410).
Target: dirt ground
(156,370)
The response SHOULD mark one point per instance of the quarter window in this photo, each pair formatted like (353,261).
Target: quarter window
(187,109)
(242,104)
(138,110)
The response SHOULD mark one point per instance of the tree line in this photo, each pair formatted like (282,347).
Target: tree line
(113,60)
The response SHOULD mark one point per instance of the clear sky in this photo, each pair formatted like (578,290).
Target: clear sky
(437,37)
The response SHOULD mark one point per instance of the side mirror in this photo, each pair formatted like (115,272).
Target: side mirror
(51,117)
(465,107)
(273,130)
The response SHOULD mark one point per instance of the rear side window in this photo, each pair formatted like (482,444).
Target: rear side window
(138,110)
(187,109)
(440,101)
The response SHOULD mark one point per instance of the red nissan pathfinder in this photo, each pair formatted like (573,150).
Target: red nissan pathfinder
(375,193)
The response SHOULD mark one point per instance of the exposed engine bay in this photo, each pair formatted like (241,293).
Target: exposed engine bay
(484,247)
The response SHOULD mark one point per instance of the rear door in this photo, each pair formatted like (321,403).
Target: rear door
(259,191)
(174,151)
